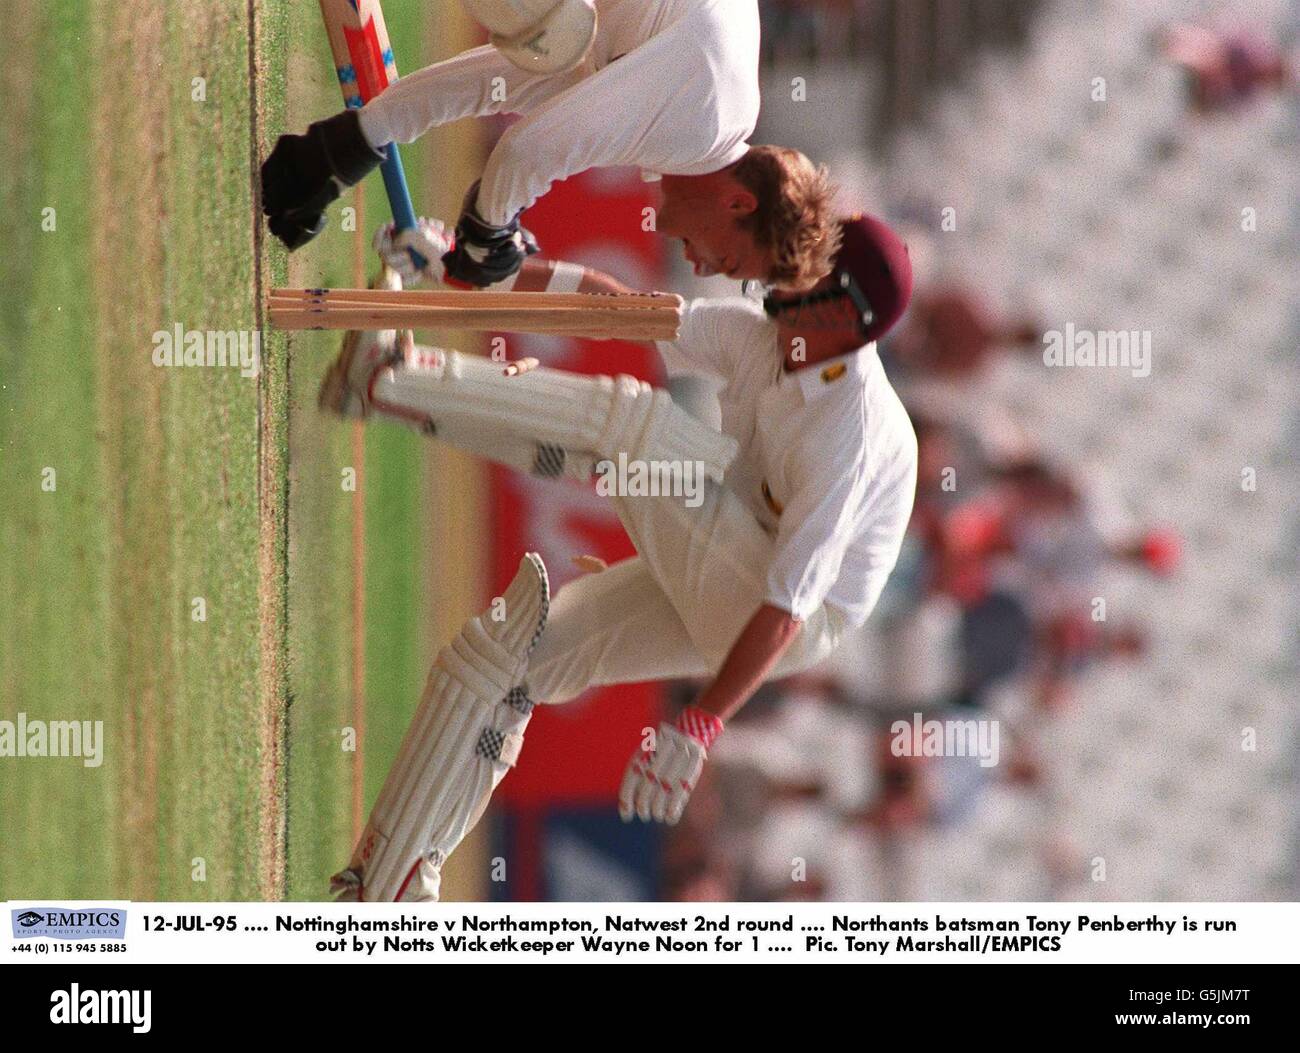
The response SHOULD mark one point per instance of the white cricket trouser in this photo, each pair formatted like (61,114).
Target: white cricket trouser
(672,611)
(700,573)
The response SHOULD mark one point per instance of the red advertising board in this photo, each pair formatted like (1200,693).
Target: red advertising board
(575,753)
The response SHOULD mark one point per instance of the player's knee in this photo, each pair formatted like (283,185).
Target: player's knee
(540,36)
(555,681)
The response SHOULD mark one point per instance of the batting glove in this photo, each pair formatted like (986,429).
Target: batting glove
(303,173)
(429,239)
(658,782)
(484,253)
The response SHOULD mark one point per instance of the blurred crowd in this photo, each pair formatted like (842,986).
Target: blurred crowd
(994,611)
(1226,66)
(991,614)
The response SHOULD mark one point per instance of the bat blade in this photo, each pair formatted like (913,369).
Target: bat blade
(363,60)
(370,62)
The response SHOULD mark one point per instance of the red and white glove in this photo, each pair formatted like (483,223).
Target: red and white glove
(429,238)
(658,782)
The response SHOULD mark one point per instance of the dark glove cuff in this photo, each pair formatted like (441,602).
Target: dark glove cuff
(478,230)
(349,156)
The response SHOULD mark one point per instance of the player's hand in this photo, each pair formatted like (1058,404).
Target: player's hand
(304,173)
(484,253)
(429,238)
(659,782)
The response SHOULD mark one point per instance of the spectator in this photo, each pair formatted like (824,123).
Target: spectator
(1225,68)
(952,335)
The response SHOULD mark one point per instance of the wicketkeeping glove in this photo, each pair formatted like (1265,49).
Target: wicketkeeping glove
(484,253)
(304,173)
(658,782)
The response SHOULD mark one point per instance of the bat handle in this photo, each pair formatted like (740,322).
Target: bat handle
(399,198)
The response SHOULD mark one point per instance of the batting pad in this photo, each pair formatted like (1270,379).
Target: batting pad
(464,737)
(545,415)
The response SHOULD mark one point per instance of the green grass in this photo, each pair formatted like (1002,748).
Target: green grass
(54,567)
(398,651)
(209,729)
(320,534)
(396,654)
(223,737)
(157,500)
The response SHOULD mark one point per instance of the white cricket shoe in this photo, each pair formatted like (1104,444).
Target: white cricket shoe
(364,354)
(346,387)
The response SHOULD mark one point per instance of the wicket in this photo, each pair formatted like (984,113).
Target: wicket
(601,316)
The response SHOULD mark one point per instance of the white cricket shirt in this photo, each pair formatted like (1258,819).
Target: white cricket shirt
(827,459)
(670,86)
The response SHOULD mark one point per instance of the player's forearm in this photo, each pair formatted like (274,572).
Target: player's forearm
(752,657)
(540,275)
(594,281)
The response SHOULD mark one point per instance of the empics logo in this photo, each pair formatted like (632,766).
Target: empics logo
(70,923)
(75,1006)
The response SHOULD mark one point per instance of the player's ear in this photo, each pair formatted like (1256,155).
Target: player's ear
(741,202)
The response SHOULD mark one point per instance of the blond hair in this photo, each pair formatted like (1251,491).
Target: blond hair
(793,220)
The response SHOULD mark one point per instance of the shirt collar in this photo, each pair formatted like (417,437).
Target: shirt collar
(835,374)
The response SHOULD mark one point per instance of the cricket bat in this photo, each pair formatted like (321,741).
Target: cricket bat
(364,61)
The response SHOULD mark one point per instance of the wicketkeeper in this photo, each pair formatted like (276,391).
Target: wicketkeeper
(810,487)
(670,86)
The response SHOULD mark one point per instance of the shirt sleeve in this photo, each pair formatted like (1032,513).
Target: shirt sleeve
(711,339)
(655,107)
(463,86)
(816,528)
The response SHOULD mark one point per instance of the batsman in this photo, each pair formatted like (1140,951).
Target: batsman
(668,86)
(806,497)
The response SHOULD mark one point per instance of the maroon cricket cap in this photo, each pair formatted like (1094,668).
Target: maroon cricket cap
(876,259)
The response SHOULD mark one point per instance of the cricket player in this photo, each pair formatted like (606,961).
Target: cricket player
(670,86)
(802,503)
